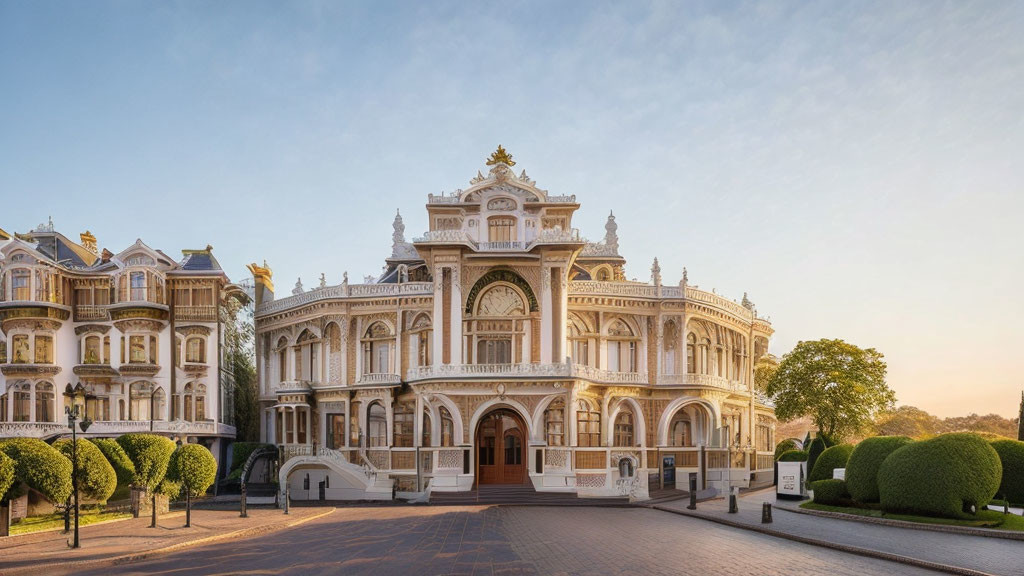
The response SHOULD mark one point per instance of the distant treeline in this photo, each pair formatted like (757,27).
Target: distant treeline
(916,423)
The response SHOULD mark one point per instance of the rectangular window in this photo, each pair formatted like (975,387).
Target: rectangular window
(20,285)
(588,428)
(501,229)
(195,351)
(494,351)
(152,350)
(579,352)
(44,350)
(137,349)
(19,349)
(336,431)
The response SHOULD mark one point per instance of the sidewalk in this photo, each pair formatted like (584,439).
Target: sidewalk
(953,553)
(48,552)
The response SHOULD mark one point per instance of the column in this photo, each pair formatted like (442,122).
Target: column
(563,313)
(546,314)
(418,423)
(397,355)
(437,321)
(525,352)
(32,399)
(359,349)
(659,335)
(456,324)
(343,325)
(295,425)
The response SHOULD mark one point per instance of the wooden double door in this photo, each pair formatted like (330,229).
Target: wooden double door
(501,449)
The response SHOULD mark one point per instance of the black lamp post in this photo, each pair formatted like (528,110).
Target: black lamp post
(73,414)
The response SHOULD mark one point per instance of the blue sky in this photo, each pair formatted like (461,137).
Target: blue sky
(855,166)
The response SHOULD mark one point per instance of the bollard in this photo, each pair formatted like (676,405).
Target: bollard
(1006,506)
(733,508)
(693,492)
(766,513)
(287,497)
(245,513)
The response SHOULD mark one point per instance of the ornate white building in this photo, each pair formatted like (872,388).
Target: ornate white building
(138,330)
(502,347)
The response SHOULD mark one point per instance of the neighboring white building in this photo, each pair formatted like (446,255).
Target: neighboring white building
(502,347)
(140,331)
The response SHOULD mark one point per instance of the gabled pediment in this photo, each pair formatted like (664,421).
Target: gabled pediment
(142,254)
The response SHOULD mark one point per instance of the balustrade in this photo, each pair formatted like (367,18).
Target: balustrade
(196,313)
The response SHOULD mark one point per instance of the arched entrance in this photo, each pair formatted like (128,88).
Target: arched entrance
(501,448)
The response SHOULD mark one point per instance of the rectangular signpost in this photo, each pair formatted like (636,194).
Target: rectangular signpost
(791,480)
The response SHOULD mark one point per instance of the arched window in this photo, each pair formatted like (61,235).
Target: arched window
(282,359)
(159,403)
(45,408)
(188,396)
(421,336)
(680,430)
(624,427)
(579,340)
(92,351)
(447,427)
(622,347)
(153,350)
(19,349)
(670,336)
(691,353)
(22,402)
(497,328)
(377,432)
(377,341)
(603,275)
(3,407)
(140,395)
(705,351)
(307,357)
(201,402)
(588,425)
(425,437)
(195,350)
(404,424)
(554,423)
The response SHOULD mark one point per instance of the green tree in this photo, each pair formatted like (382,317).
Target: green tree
(40,467)
(1020,419)
(122,464)
(764,369)
(6,475)
(195,470)
(240,364)
(840,386)
(907,421)
(150,454)
(96,477)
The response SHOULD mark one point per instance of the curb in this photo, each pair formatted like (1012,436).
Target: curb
(960,571)
(962,530)
(135,557)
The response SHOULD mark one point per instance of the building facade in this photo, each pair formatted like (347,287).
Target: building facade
(139,331)
(501,347)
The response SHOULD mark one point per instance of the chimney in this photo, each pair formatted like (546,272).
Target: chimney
(263,278)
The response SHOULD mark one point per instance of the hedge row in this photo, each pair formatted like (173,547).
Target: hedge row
(866,459)
(830,459)
(830,491)
(96,477)
(40,466)
(1011,454)
(117,458)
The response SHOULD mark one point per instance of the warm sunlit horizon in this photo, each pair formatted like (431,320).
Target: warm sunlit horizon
(854,168)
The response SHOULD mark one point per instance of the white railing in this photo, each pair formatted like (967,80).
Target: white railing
(719,302)
(346,291)
(555,370)
(642,290)
(500,246)
(556,236)
(294,385)
(99,427)
(196,313)
(444,236)
(703,380)
(90,312)
(379,378)
(612,288)
(599,249)
(562,199)
(289,451)
(444,198)
(31,429)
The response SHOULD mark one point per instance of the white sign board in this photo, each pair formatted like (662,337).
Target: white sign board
(791,479)
(839,473)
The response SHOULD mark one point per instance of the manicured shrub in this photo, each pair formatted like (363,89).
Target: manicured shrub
(784,446)
(150,454)
(951,475)
(6,474)
(117,458)
(816,448)
(1011,455)
(194,467)
(793,456)
(96,477)
(830,459)
(867,458)
(831,491)
(240,452)
(40,466)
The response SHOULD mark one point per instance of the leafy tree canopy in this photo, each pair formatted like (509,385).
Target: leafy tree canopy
(764,369)
(96,477)
(194,467)
(840,386)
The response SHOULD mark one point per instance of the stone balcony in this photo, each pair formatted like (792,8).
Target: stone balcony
(507,371)
(27,370)
(195,313)
(139,369)
(115,427)
(702,381)
(91,313)
(378,379)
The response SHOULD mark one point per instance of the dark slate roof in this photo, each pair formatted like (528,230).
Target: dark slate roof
(199,261)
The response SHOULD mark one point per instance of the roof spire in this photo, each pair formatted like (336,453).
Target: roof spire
(685,279)
(656,272)
(611,237)
(500,156)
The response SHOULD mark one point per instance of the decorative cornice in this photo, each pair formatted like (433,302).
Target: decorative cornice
(30,370)
(87,328)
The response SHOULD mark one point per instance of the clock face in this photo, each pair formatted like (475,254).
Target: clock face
(501,301)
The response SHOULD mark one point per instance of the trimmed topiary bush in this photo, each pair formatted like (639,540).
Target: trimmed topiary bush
(1011,455)
(951,475)
(240,452)
(784,446)
(194,467)
(830,459)
(40,466)
(793,456)
(97,479)
(866,459)
(831,491)
(150,454)
(6,474)
(118,459)
(814,450)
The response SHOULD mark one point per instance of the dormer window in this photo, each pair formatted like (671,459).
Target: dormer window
(138,280)
(501,229)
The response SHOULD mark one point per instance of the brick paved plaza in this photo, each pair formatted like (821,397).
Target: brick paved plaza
(508,540)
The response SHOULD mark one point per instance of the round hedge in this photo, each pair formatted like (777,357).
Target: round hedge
(1011,455)
(150,454)
(867,458)
(117,458)
(784,446)
(831,491)
(97,479)
(793,456)
(944,476)
(830,459)
(40,466)
(194,467)
(6,474)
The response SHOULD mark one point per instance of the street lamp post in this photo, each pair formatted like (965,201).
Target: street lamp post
(73,415)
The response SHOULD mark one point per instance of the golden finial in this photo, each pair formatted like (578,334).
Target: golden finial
(500,156)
